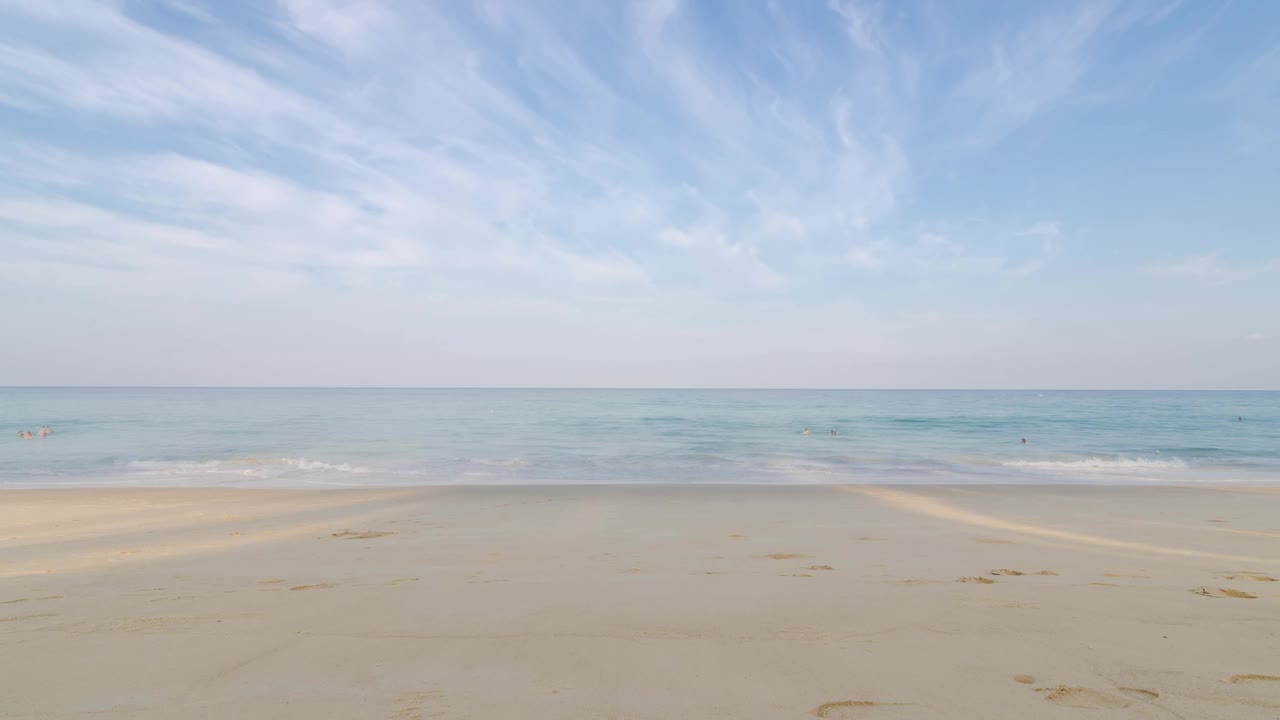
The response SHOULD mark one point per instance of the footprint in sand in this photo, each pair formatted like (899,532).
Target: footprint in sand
(477,580)
(1252,677)
(1223,593)
(18,618)
(1024,679)
(819,567)
(413,705)
(978,580)
(363,535)
(847,708)
(318,586)
(1089,698)
(1007,571)
(783,556)
(1251,576)
(1049,573)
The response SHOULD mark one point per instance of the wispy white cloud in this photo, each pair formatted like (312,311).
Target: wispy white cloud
(931,251)
(862,22)
(195,9)
(1030,69)
(1035,66)
(868,256)
(1044,229)
(1209,270)
(352,28)
(563,159)
(440,138)
(124,69)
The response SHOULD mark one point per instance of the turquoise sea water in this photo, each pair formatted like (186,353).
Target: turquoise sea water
(349,437)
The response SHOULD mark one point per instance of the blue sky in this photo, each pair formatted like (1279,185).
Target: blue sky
(707,194)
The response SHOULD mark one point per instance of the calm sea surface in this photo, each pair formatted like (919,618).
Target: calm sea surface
(337,437)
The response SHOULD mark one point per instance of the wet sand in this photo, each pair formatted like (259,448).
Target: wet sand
(642,602)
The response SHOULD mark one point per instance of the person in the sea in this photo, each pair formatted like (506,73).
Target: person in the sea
(805,431)
(44,430)
(1024,441)
(1239,418)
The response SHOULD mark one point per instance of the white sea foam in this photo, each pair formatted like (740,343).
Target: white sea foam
(189,467)
(240,466)
(1098,464)
(305,464)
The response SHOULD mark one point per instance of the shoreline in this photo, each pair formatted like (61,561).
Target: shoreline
(641,601)
(1269,479)
(1154,484)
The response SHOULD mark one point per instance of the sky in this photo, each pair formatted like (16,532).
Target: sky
(677,193)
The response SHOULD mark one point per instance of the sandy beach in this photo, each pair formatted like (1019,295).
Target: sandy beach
(642,602)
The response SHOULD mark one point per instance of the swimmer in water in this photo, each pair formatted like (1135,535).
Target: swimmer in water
(805,431)
(1024,441)
(1239,418)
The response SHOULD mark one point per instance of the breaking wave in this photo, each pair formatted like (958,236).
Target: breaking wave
(240,466)
(1098,464)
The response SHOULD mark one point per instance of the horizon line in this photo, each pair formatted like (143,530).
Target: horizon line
(625,388)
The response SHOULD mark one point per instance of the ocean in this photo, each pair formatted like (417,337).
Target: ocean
(157,437)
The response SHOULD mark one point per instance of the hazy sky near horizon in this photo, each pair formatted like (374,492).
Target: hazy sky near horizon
(670,193)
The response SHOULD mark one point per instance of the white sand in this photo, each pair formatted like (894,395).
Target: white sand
(634,602)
